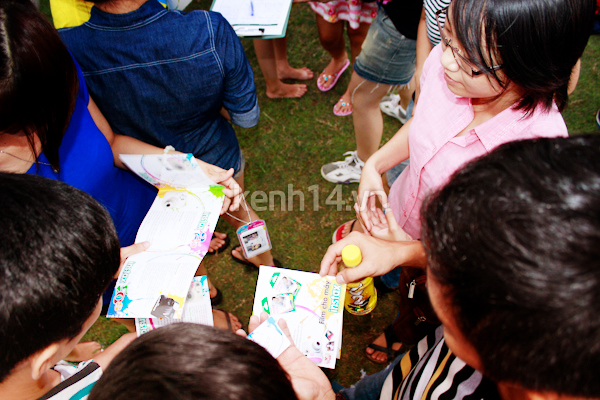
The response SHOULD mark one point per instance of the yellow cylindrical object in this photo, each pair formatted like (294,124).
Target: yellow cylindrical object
(361,297)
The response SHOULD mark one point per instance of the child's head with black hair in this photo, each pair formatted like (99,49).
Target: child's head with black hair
(193,362)
(514,264)
(58,253)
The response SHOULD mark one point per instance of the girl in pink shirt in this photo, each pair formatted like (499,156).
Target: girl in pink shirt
(501,73)
(477,96)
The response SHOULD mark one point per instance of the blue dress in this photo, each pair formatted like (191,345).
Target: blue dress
(87,163)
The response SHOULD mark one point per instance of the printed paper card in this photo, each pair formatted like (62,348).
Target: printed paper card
(270,336)
(179,227)
(311,305)
(197,309)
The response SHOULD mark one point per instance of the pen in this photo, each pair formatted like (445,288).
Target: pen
(253,24)
(251,8)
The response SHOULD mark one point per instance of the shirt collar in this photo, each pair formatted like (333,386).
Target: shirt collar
(148,11)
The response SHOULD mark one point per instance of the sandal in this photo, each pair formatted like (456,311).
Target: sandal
(335,77)
(390,339)
(342,103)
(337,235)
(218,299)
(248,264)
(393,108)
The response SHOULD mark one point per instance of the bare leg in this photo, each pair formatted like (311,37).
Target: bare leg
(357,37)
(284,70)
(331,36)
(368,122)
(265,258)
(265,53)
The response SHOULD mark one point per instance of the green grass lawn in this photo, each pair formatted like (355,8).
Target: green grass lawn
(285,151)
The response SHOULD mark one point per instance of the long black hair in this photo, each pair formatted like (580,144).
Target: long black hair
(38,78)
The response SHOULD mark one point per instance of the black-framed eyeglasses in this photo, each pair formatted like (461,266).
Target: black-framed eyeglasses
(463,63)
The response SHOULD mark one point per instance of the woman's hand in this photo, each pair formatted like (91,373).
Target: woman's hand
(385,226)
(378,257)
(232,190)
(369,190)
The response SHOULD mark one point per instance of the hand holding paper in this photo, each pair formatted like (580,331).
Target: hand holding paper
(308,380)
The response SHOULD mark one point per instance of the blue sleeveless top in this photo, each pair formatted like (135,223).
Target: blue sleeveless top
(87,163)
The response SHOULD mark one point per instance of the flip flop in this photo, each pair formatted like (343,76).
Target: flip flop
(248,264)
(343,104)
(218,299)
(390,339)
(335,77)
(337,235)
(222,248)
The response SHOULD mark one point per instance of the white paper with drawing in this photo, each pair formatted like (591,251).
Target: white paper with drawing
(179,226)
(311,305)
(197,309)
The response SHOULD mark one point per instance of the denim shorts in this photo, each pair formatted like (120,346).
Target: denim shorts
(387,56)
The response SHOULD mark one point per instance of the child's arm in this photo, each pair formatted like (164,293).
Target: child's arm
(371,185)
(104,358)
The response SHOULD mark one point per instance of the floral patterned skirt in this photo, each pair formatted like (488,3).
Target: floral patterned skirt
(353,11)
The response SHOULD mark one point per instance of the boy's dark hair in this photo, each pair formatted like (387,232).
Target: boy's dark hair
(38,79)
(193,362)
(59,250)
(514,240)
(537,42)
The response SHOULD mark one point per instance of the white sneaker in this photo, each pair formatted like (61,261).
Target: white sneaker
(393,108)
(347,171)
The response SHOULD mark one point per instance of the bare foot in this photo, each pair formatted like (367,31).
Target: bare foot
(343,107)
(217,241)
(285,90)
(83,351)
(220,320)
(301,74)
(379,356)
(328,76)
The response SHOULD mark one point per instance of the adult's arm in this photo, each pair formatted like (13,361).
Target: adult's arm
(239,98)
(371,185)
(121,144)
(378,257)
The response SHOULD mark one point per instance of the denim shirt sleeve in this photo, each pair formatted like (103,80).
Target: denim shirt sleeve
(240,97)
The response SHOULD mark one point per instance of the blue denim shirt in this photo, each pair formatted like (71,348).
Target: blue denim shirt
(162,77)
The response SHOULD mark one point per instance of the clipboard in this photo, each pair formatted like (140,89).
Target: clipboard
(265,19)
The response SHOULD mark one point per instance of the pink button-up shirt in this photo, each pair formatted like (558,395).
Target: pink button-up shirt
(435,151)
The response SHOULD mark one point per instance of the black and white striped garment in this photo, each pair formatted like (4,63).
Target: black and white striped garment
(431,7)
(429,371)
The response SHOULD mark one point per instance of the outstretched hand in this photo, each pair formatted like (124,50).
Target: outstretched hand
(370,190)
(384,225)
(309,382)
(232,190)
